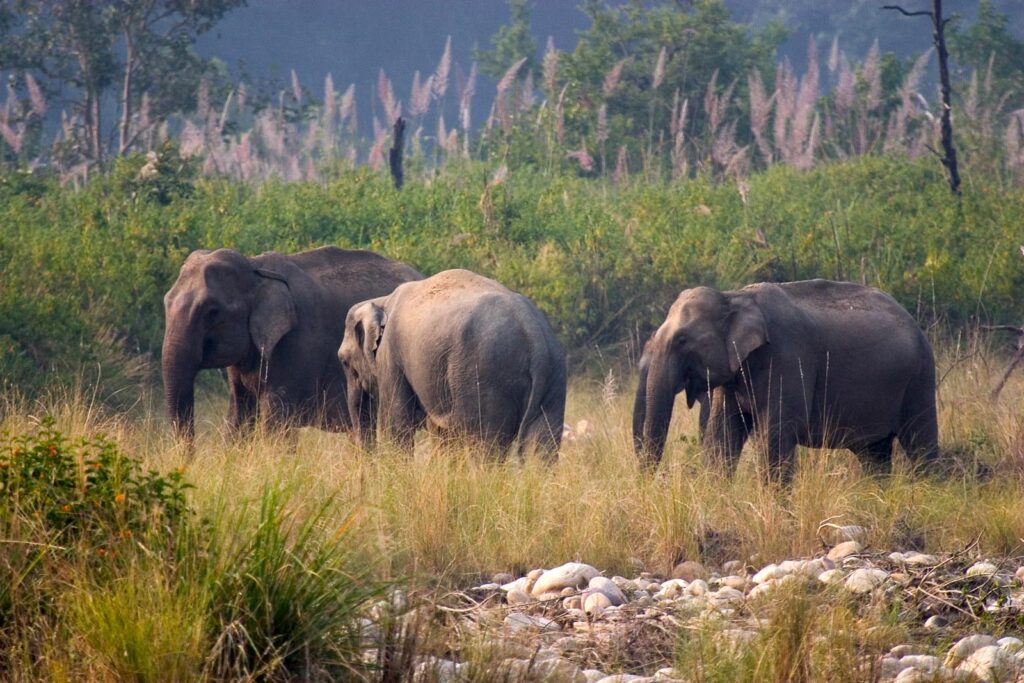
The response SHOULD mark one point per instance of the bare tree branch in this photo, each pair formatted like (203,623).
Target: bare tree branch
(906,13)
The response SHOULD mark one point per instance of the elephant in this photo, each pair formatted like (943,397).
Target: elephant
(461,355)
(271,321)
(816,363)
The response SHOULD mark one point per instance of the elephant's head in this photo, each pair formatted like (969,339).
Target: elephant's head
(223,310)
(702,344)
(364,327)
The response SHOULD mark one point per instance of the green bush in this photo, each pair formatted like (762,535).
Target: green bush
(84,272)
(86,491)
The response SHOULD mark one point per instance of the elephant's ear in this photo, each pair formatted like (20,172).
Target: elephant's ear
(748,330)
(273,312)
(373,329)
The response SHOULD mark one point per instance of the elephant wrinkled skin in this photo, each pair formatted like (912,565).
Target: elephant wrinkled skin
(814,363)
(463,356)
(271,320)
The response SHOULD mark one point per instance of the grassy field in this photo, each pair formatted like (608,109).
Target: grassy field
(276,506)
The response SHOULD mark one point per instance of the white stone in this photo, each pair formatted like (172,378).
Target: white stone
(982,569)
(733,567)
(570,574)
(517,621)
(435,669)
(671,589)
(737,582)
(1010,643)
(727,594)
(593,675)
(608,588)
(901,651)
(844,549)
(831,576)
(912,675)
(488,587)
(889,667)
(517,596)
(769,573)
(865,580)
(623,678)
(926,663)
(935,622)
(519,583)
(963,648)
(572,602)
(991,663)
(596,603)
(697,587)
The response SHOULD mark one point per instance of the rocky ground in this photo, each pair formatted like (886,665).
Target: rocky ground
(571,623)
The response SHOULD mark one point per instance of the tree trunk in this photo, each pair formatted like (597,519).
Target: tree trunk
(126,95)
(939,36)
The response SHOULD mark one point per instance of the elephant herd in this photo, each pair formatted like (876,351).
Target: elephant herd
(348,340)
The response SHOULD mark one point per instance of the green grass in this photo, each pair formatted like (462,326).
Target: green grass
(294,537)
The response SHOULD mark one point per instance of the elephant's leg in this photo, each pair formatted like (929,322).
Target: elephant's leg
(876,458)
(726,428)
(919,430)
(399,411)
(242,412)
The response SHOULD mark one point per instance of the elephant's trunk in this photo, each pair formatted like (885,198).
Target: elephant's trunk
(662,380)
(180,366)
(640,410)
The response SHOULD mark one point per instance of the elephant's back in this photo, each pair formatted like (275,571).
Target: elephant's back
(364,272)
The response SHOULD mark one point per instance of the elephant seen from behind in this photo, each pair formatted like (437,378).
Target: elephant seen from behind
(461,355)
(815,363)
(272,321)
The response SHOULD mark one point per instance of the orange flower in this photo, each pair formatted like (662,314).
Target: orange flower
(66,508)
(126,533)
(52,450)
(119,498)
(97,465)
(101,552)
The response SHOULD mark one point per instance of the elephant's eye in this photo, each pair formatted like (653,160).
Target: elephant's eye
(680,339)
(212,314)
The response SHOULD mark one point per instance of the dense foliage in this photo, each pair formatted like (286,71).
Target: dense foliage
(85,271)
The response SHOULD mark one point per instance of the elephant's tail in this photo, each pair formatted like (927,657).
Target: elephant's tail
(540,428)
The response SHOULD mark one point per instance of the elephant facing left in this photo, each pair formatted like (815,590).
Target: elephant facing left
(272,321)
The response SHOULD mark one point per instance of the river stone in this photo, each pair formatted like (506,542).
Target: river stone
(889,667)
(593,675)
(517,621)
(596,603)
(728,594)
(573,602)
(435,669)
(623,678)
(1019,574)
(991,663)
(935,622)
(488,587)
(865,580)
(912,675)
(502,577)
(769,573)
(737,582)
(607,586)
(926,663)
(901,651)
(1010,643)
(982,568)
(689,571)
(517,596)
(830,576)
(520,583)
(570,574)
(963,648)
(844,549)
(733,567)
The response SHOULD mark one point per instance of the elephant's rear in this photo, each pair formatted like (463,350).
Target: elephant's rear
(919,426)
(540,429)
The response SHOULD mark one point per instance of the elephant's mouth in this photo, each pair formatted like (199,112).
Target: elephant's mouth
(695,386)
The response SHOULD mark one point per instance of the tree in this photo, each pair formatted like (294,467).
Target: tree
(939,37)
(88,46)
(989,39)
(513,42)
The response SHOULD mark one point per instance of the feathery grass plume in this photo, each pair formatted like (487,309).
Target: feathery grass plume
(35,95)
(243,95)
(846,88)
(673,113)
(760,109)
(612,78)
(244,157)
(376,159)
(621,166)
(711,103)
(807,97)
(466,88)
(806,159)
(419,96)
(549,67)
(144,112)
(386,94)
(500,99)
(203,100)
(271,133)
(582,157)
(679,161)
(330,107)
(1012,139)
(602,123)
(971,100)
(442,132)
(191,140)
(440,79)
(785,96)
(524,95)
(451,144)
(296,87)
(347,108)
(659,69)
(833,55)
(11,137)
(871,72)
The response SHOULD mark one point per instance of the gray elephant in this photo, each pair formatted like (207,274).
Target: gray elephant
(461,355)
(814,363)
(271,320)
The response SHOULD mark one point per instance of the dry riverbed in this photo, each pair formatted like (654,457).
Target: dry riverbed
(876,616)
